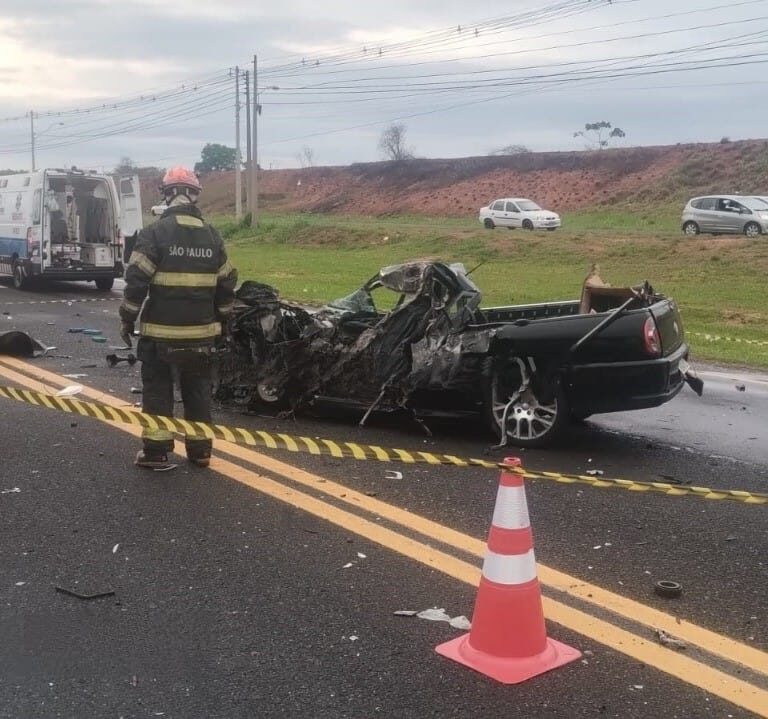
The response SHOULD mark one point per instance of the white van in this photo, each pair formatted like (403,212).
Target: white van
(66,225)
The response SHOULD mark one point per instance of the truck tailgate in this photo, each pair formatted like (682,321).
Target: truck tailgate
(669,325)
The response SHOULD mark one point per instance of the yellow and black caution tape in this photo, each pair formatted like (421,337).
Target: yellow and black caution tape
(63,302)
(351,450)
(722,338)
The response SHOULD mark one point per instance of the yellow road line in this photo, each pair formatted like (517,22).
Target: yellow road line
(630,609)
(691,671)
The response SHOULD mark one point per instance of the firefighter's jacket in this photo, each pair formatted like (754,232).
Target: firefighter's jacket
(179,265)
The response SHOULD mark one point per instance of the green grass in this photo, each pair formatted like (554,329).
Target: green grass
(717,281)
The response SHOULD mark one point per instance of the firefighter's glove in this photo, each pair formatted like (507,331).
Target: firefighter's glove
(126,332)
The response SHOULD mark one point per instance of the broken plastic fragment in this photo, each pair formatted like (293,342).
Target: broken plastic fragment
(348,565)
(434,615)
(393,474)
(461,622)
(15,490)
(668,640)
(74,376)
(115,548)
(405,613)
(595,472)
(69,391)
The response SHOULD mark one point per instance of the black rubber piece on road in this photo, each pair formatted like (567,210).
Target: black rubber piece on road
(668,589)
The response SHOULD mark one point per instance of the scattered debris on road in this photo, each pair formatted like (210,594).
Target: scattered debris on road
(393,474)
(595,472)
(86,597)
(20,344)
(436,614)
(667,640)
(15,490)
(70,390)
(668,589)
(113,360)
(741,387)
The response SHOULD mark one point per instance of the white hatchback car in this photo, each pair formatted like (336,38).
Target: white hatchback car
(515,212)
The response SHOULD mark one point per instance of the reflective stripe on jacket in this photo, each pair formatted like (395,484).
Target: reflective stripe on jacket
(180,267)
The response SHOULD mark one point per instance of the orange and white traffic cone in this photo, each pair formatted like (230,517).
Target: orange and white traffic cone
(508,640)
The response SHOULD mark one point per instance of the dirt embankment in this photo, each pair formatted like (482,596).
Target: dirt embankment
(561,181)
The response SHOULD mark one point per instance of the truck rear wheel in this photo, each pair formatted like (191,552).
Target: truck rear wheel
(536,408)
(20,279)
(104,284)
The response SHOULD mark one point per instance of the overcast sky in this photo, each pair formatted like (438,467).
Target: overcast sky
(151,79)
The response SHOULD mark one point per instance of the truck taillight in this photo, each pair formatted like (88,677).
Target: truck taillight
(651,339)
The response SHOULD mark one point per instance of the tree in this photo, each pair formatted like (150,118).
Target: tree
(596,135)
(392,143)
(216,157)
(126,166)
(306,157)
(510,150)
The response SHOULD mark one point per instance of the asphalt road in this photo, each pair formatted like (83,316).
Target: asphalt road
(266,586)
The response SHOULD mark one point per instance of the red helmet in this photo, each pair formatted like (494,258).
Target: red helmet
(180,177)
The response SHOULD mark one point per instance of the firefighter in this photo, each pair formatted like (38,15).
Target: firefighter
(180,273)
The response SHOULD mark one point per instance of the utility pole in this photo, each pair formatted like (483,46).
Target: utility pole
(238,155)
(32,136)
(255,162)
(248,154)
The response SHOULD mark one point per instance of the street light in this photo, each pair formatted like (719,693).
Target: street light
(33,134)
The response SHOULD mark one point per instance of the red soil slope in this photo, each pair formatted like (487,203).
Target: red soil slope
(456,187)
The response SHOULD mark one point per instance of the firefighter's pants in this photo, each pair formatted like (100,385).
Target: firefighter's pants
(190,368)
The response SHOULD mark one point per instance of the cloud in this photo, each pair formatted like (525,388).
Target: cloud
(62,55)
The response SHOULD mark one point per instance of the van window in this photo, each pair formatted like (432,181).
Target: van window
(26,181)
(498,205)
(36,201)
(126,186)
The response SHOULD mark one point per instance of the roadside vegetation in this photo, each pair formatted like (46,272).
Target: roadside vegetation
(719,282)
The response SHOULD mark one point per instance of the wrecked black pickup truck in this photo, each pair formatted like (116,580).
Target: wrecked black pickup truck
(524,370)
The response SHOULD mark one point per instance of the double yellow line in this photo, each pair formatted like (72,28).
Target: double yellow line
(694,667)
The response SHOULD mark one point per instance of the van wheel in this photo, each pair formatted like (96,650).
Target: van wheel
(104,284)
(536,408)
(20,280)
(752,229)
(488,223)
(691,228)
(527,225)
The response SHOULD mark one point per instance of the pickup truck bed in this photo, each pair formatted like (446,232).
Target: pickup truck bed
(524,370)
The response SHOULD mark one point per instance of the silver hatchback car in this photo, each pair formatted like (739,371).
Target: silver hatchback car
(726,214)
